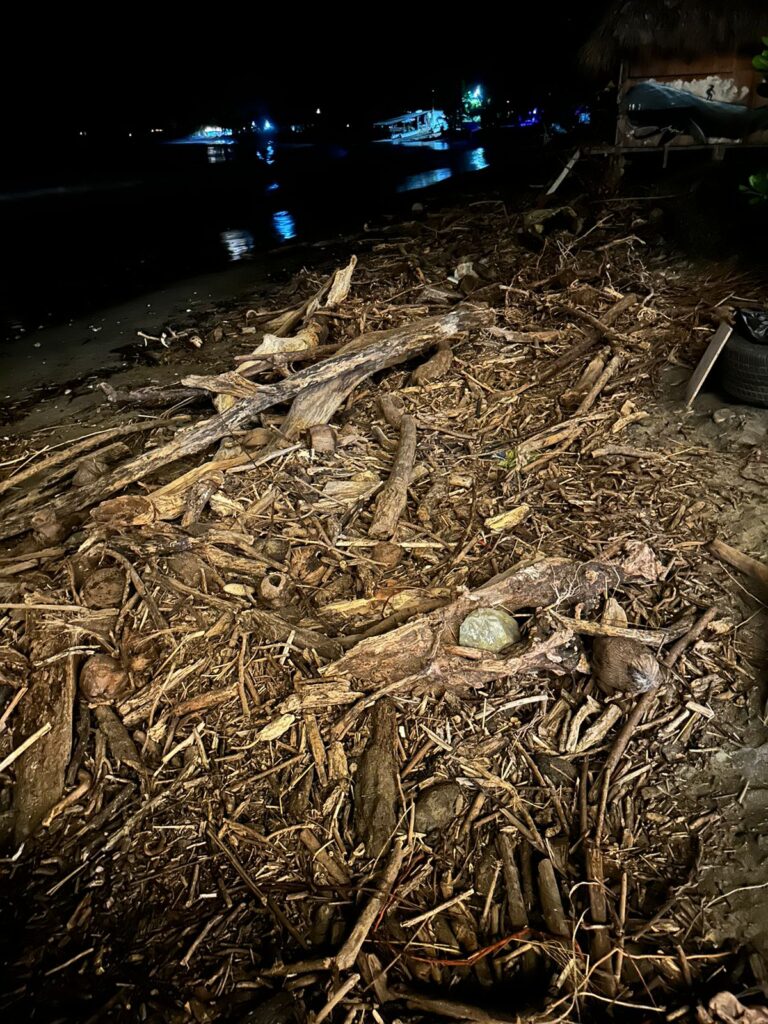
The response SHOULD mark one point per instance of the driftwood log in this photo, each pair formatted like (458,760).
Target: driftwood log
(367,355)
(41,769)
(393,496)
(427,644)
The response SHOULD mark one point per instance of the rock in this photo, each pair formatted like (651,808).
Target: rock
(489,629)
(438,806)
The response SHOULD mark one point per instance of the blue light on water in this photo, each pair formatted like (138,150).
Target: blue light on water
(284,225)
(273,187)
(267,126)
(239,244)
(425,179)
(533,117)
(583,115)
(435,144)
(477,160)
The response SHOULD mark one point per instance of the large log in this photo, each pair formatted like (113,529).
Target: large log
(420,646)
(41,770)
(371,354)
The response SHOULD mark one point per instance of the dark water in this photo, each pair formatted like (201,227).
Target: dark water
(90,228)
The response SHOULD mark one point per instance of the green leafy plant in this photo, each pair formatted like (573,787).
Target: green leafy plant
(509,460)
(760,62)
(757,189)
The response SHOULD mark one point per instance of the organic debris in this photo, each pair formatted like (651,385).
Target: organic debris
(284,790)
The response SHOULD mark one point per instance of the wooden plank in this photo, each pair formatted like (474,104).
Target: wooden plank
(714,348)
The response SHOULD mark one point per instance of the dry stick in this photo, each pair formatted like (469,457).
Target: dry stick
(324,963)
(577,351)
(420,607)
(619,746)
(744,563)
(602,328)
(336,998)
(518,915)
(66,454)
(688,638)
(394,494)
(598,906)
(265,900)
(449,1008)
(11,707)
(377,352)
(42,731)
(638,712)
(551,901)
(652,637)
(545,783)
(351,948)
(591,396)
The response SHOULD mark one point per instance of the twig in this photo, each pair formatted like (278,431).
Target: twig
(693,634)
(42,731)
(349,951)
(336,998)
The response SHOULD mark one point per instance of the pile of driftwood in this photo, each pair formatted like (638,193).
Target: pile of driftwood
(249,772)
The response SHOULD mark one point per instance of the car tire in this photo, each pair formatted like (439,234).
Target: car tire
(744,369)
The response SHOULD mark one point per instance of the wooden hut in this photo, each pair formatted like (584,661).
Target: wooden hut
(684,72)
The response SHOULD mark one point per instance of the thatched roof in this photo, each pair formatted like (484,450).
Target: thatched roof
(665,28)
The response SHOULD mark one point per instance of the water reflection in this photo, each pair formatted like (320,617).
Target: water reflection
(466,161)
(239,244)
(284,225)
(425,179)
(435,144)
(476,160)
(218,154)
(268,154)
(273,187)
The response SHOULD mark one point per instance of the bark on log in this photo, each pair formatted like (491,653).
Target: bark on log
(410,650)
(41,770)
(435,367)
(66,457)
(744,563)
(385,349)
(393,496)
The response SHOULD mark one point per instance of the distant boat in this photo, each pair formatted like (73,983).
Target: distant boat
(415,126)
(209,135)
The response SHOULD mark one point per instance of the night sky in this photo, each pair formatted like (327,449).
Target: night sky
(118,68)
